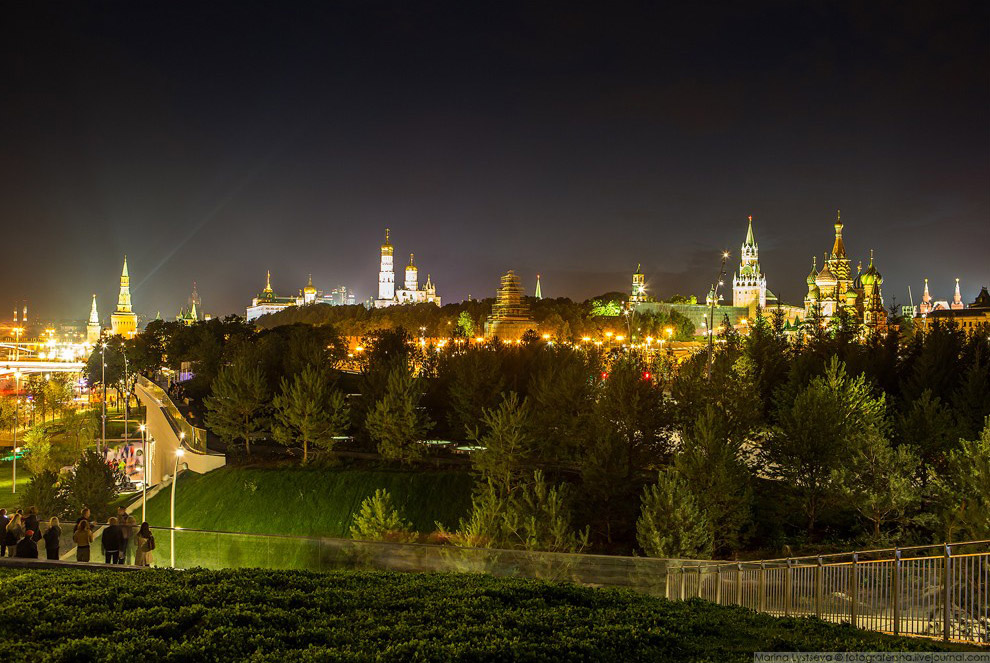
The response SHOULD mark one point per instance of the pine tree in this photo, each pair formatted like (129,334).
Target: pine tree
(309,411)
(879,481)
(965,489)
(396,422)
(817,431)
(379,520)
(710,463)
(506,447)
(238,406)
(671,523)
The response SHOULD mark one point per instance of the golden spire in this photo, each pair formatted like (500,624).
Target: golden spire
(412,262)
(838,248)
(268,281)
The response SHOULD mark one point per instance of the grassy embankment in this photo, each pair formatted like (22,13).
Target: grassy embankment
(8,500)
(73,615)
(293,501)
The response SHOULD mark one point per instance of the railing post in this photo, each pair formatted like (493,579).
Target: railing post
(946,581)
(819,573)
(739,583)
(788,589)
(763,587)
(697,588)
(854,588)
(682,582)
(718,584)
(895,591)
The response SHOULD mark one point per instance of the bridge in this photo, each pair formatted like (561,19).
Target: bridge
(40,366)
(168,431)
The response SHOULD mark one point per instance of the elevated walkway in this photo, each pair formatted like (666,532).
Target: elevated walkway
(168,431)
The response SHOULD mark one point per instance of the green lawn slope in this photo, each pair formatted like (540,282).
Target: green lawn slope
(312,502)
(199,615)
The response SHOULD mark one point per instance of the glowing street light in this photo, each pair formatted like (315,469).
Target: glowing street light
(179,453)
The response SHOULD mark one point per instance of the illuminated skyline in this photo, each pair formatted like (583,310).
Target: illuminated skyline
(211,143)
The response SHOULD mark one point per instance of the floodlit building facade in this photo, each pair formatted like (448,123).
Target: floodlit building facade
(123,321)
(410,293)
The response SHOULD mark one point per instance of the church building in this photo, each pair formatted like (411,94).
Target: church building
(410,293)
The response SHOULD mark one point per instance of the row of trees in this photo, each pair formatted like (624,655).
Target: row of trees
(779,440)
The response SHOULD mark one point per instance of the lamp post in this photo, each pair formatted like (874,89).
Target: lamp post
(17,408)
(144,477)
(175,475)
(103,381)
(127,394)
(711,315)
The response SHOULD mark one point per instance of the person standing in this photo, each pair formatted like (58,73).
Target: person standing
(26,547)
(31,523)
(110,541)
(4,520)
(13,532)
(82,537)
(83,515)
(144,544)
(130,533)
(52,539)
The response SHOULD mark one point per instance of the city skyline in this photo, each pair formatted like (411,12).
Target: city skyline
(519,137)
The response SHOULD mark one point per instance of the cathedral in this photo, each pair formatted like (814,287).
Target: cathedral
(268,302)
(835,289)
(410,293)
(123,321)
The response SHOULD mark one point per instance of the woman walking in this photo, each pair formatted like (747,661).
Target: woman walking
(52,539)
(82,537)
(15,530)
(143,546)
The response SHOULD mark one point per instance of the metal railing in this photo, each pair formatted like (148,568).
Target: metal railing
(934,591)
(195,438)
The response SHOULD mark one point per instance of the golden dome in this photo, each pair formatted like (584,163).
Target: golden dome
(309,289)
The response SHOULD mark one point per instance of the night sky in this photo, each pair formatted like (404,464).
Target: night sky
(211,141)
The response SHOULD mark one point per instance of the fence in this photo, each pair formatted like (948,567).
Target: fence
(195,438)
(935,591)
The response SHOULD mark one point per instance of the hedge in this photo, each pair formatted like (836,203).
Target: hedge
(259,615)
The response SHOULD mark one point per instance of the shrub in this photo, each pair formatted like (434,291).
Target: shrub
(379,520)
(94,483)
(45,491)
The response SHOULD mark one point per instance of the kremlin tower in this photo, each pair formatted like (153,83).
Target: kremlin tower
(386,274)
(749,284)
(123,322)
(93,329)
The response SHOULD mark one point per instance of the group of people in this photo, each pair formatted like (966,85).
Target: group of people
(121,541)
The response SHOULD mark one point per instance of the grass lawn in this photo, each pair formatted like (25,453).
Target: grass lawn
(8,500)
(199,615)
(293,501)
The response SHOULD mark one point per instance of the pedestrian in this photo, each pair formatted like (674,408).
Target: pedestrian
(52,539)
(121,515)
(31,523)
(110,541)
(26,547)
(82,537)
(83,515)
(3,532)
(130,533)
(13,532)
(144,545)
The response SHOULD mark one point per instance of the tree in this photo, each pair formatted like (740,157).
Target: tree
(817,430)
(671,523)
(309,411)
(379,520)
(80,429)
(38,444)
(878,481)
(533,516)
(45,492)
(59,394)
(465,325)
(506,447)
(965,489)
(710,463)
(238,405)
(927,428)
(94,483)
(396,423)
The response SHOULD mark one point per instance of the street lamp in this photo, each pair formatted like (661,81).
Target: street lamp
(711,316)
(179,453)
(103,380)
(17,407)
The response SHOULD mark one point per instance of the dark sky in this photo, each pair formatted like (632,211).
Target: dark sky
(211,141)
